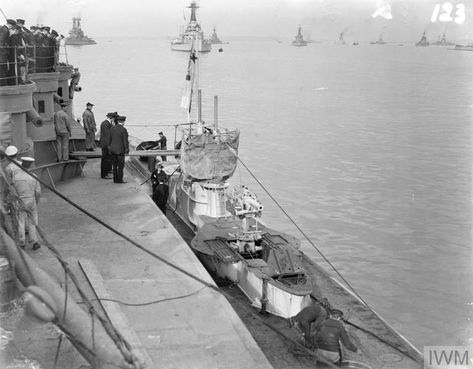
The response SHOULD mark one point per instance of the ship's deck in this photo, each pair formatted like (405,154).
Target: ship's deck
(198,331)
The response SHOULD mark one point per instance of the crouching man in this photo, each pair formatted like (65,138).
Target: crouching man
(330,335)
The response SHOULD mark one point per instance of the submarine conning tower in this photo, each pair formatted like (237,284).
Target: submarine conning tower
(32,89)
(52,89)
(16,113)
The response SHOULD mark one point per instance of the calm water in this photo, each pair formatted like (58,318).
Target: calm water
(368,148)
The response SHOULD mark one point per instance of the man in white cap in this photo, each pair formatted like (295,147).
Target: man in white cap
(11,153)
(28,191)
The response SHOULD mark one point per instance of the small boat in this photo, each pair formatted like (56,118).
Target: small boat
(184,41)
(77,36)
(467,47)
(423,41)
(299,39)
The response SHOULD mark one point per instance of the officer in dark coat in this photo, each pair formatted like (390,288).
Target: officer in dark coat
(158,175)
(118,147)
(4,51)
(160,196)
(106,162)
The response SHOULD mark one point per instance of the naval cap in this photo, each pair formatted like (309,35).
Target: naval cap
(112,115)
(11,150)
(46,28)
(121,118)
(26,161)
(20,22)
(54,33)
(11,21)
(90,104)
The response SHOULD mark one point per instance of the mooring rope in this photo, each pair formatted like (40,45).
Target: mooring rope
(325,258)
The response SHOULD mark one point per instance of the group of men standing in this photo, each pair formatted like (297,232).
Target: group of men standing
(24,51)
(114,144)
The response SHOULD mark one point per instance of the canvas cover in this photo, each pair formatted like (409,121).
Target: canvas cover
(209,157)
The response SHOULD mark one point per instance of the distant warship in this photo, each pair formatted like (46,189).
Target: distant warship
(214,38)
(193,32)
(423,41)
(76,35)
(443,41)
(380,41)
(299,39)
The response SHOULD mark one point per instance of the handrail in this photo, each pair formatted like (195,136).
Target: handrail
(160,125)
(26,59)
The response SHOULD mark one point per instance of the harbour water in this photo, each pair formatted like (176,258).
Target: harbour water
(368,148)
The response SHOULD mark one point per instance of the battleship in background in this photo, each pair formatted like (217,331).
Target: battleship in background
(442,41)
(341,40)
(77,36)
(193,32)
(299,39)
(423,41)
(380,41)
(214,39)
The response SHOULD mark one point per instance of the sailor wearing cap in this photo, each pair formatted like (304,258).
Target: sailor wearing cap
(331,334)
(11,151)
(159,180)
(90,127)
(162,141)
(158,175)
(119,147)
(62,126)
(73,86)
(106,162)
(29,191)
(26,161)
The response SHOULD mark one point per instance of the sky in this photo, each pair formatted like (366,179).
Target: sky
(360,20)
